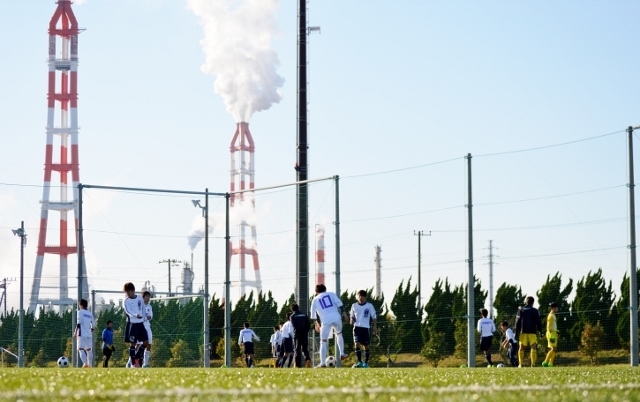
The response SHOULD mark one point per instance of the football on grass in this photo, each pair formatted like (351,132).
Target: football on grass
(63,362)
(330,361)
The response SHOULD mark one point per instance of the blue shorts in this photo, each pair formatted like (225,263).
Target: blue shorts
(135,332)
(361,335)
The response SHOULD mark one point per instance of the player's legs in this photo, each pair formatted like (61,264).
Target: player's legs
(323,352)
(534,354)
(147,351)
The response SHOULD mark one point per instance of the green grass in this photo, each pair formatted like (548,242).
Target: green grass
(620,383)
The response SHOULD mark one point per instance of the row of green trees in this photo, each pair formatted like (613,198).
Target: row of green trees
(439,328)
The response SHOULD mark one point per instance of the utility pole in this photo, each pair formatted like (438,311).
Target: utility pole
(170,263)
(377,260)
(3,298)
(420,233)
(491,278)
(633,279)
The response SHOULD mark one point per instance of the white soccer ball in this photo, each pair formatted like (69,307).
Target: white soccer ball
(330,361)
(500,365)
(63,362)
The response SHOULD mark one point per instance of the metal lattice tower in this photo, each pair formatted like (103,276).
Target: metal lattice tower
(62,134)
(242,178)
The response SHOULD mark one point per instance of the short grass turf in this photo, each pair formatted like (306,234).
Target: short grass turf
(611,383)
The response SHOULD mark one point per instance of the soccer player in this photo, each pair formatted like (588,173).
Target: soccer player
(486,327)
(276,344)
(135,331)
(107,343)
(363,318)
(287,341)
(83,333)
(246,338)
(510,339)
(300,323)
(148,316)
(328,311)
(552,335)
(528,324)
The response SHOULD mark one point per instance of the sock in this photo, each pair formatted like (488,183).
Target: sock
(89,358)
(290,360)
(341,344)
(246,360)
(250,361)
(359,354)
(488,356)
(82,356)
(129,362)
(323,352)
(140,354)
(147,354)
(551,357)
(534,356)
(367,352)
(521,356)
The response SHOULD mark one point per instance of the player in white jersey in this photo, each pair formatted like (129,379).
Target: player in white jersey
(510,340)
(148,316)
(364,319)
(486,327)
(276,343)
(246,338)
(84,334)
(135,331)
(328,311)
(287,341)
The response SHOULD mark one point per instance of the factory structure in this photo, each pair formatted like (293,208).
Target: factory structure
(242,204)
(61,165)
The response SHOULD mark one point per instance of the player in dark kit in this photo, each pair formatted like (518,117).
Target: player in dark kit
(301,327)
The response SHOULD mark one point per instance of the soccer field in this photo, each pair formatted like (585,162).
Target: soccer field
(615,383)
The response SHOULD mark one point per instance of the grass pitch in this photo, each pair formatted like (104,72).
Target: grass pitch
(613,383)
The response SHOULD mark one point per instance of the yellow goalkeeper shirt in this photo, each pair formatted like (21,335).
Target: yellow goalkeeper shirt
(552,325)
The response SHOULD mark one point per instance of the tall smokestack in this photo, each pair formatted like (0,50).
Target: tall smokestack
(319,254)
(377,261)
(242,204)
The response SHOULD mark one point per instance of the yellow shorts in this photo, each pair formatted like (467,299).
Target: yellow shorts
(528,339)
(552,339)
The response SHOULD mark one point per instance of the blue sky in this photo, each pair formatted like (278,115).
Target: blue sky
(395,86)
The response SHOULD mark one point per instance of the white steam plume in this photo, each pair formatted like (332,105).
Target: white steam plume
(237,45)
(197,233)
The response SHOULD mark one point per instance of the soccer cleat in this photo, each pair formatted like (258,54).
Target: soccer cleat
(146,366)
(489,365)
(344,357)
(252,366)
(545,364)
(307,364)
(519,365)
(549,364)
(365,365)
(357,365)
(320,366)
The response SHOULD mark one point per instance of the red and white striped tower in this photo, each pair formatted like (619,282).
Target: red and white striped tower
(242,175)
(319,254)
(62,132)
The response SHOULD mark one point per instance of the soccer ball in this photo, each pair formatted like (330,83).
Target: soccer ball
(500,365)
(330,361)
(63,362)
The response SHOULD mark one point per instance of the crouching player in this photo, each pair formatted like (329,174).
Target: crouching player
(510,343)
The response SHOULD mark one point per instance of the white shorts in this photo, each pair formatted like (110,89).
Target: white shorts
(85,342)
(326,327)
(149,334)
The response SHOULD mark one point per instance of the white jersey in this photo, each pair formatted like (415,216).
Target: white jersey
(134,307)
(148,315)
(325,306)
(362,314)
(510,336)
(276,338)
(287,330)
(85,323)
(247,335)
(486,327)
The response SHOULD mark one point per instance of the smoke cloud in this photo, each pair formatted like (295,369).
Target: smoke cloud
(237,45)
(197,233)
